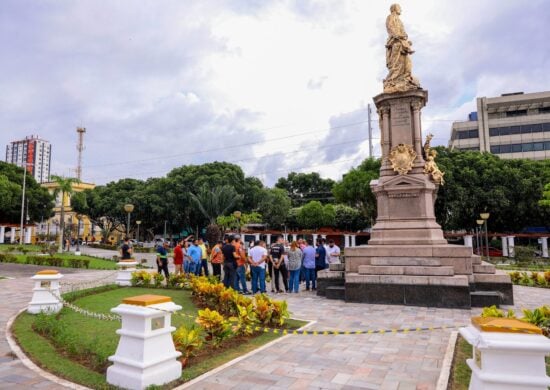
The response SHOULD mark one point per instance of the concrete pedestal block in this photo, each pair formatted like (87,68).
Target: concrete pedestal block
(145,354)
(508,355)
(45,293)
(125,269)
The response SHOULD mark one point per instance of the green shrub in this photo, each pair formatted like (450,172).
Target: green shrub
(141,278)
(216,327)
(7,258)
(78,263)
(158,278)
(524,254)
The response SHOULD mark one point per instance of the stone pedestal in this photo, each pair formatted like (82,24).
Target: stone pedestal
(45,293)
(544,245)
(407,260)
(125,269)
(508,355)
(145,354)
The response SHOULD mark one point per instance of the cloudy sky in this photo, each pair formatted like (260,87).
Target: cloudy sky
(274,86)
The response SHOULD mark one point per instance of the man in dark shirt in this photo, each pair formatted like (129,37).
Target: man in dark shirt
(229,263)
(278,265)
(126,250)
(162,260)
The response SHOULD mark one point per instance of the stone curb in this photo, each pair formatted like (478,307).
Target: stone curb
(30,364)
(446,365)
(240,358)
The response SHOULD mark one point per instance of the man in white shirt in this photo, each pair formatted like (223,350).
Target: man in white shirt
(333,252)
(257,257)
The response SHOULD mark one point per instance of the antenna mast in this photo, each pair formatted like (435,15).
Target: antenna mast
(80,148)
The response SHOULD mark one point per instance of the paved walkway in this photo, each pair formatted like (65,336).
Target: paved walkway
(376,361)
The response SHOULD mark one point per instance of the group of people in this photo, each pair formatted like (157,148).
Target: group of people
(289,263)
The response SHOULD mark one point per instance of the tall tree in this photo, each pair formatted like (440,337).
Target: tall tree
(63,189)
(274,206)
(215,202)
(354,189)
(305,187)
(545,201)
(40,202)
(314,215)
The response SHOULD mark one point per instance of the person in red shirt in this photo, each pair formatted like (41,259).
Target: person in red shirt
(178,258)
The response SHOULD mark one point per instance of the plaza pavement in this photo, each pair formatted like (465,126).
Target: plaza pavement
(376,361)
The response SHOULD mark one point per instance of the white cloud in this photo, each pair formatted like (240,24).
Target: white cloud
(175,78)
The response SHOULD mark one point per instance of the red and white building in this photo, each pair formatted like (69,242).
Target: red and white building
(35,152)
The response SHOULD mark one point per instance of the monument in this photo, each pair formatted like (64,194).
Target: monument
(407,259)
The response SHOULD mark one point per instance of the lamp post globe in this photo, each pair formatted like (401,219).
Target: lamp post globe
(485,218)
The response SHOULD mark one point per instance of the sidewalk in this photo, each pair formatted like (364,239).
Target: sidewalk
(377,361)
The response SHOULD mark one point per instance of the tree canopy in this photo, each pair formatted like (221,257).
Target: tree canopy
(304,187)
(40,202)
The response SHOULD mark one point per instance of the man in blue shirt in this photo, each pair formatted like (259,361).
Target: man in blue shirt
(308,261)
(196,254)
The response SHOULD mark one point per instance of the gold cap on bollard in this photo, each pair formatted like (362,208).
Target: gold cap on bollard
(47,272)
(504,325)
(146,300)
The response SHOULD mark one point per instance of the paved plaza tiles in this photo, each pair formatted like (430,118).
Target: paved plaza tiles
(370,361)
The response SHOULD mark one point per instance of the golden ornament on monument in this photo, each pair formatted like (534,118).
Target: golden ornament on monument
(402,157)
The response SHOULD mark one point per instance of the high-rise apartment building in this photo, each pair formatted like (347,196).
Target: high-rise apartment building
(36,153)
(515,125)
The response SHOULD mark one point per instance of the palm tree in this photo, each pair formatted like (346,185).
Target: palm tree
(65,188)
(212,203)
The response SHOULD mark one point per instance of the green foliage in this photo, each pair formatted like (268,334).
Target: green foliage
(7,258)
(245,320)
(348,218)
(215,201)
(216,327)
(305,187)
(545,201)
(477,182)
(539,317)
(141,278)
(158,278)
(314,215)
(228,222)
(354,188)
(188,340)
(274,206)
(495,312)
(40,202)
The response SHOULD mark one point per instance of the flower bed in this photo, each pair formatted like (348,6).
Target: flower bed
(533,279)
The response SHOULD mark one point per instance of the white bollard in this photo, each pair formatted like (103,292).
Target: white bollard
(146,354)
(125,269)
(504,240)
(508,355)
(45,293)
(511,246)
(544,243)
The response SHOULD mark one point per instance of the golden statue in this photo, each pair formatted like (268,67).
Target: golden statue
(430,167)
(398,51)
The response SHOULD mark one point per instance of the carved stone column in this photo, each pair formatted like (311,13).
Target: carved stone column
(416,106)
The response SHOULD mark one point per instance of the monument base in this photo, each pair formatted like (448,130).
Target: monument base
(419,275)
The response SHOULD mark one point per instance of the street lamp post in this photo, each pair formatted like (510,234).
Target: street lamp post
(138,223)
(237,215)
(479,237)
(128,208)
(21,239)
(485,218)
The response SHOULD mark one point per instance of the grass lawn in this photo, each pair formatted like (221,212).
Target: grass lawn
(14,247)
(95,263)
(87,342)
(460,372)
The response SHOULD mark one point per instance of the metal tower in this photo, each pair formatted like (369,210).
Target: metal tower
(80,148)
